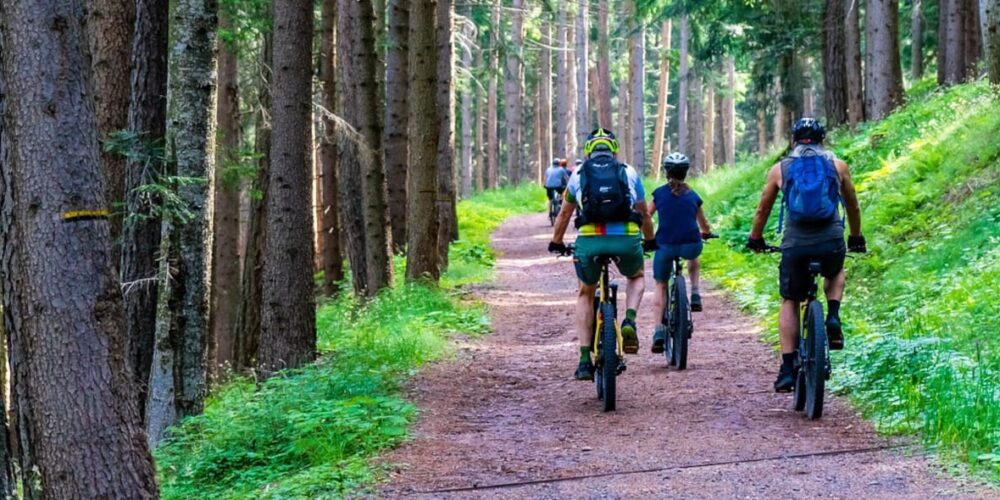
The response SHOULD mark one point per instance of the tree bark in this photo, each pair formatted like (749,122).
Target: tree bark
(622,130)
(492,139)
(834,63)
(684,82)
(480,97)
(333,259)
(147,122)
(448,228)
(512,95)
(992,17)
(288,312)
(695,140)
(583,121)
(883,73)
(570,118)
(856,112)
(544,110)
(959,41)
(110,30)
(709,125)
(603,66)
(395,118)
(917,41)
(422,259)
(73,394)
(781,115)
(728,115)
(192,83)
(637,79)
(661,101)
(562,84)
(226,189)
(467,119)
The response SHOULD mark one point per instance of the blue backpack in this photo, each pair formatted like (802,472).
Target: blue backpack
(810,191)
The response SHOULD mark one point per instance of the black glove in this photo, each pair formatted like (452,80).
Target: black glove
(857,244)
(649,246)
(708,236)
(757,245)
(558,248)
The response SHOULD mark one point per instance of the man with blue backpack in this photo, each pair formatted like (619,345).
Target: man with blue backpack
(814,185)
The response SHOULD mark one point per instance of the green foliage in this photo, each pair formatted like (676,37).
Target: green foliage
(313,432)
(921,308)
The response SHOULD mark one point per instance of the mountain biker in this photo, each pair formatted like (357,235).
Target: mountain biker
(610,205)
(814,230)
(678,236)
(556,178)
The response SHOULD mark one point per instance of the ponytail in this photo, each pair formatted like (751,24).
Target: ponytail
(678,187)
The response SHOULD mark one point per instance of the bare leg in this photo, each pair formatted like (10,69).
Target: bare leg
(694,271)
(660,300)
(634,290)
(788,325)
(585,314)
(834,288)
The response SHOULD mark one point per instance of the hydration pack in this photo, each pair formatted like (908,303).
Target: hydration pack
(604,192)
(810,190)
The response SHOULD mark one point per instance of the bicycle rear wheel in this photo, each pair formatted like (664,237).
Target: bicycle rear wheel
(816,360)
(681,322)
(608,352)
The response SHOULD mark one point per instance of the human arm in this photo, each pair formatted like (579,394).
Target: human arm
(562,221)
(850,195)
(706,228)
(767,199)
(647,221)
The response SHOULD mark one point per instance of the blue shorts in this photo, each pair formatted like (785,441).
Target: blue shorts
(663,261)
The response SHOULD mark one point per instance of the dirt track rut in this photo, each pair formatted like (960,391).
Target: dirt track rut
(505,411)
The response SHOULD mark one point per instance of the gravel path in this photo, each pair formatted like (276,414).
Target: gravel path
(505,412)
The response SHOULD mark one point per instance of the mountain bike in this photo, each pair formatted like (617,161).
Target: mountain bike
(609,359)
(677,317)
(812,365)
(555,206)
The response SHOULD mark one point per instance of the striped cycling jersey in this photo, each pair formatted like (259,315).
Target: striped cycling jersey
(636,192)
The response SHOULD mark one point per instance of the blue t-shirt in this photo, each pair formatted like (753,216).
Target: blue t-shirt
(678,216)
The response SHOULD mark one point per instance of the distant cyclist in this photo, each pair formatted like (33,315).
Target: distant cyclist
(677,236)
(576,166)
(813,183)
(556,179)
(610,205)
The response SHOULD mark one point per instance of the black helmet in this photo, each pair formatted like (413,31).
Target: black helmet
(676,165)
(808,131)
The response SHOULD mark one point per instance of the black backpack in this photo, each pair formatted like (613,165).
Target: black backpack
(604,192)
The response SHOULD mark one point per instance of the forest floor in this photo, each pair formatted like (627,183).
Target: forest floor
(504,419)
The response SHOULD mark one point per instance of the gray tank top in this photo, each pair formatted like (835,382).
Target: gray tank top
(798,234)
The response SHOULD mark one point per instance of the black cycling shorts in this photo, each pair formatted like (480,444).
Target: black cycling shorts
(794,269)
(553,192)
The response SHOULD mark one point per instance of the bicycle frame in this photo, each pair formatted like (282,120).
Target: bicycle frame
(607,294)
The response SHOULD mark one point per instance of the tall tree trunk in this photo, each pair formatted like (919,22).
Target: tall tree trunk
(109,27)
(147,122)
(333,259)
(512,95)
(973,39)
(624,136)
(709,124)
(192,83)
(695,140)
(959,41)
(834,63)
(603,66)
(855,88)
(761,129)
(917,41)
(992,17)
(583,121)
(544,110)
(467,119)
(288,312)
(562,83)
(492,139)
(684,82)
(728,114)
(480,97)
(360,77)
(226,226)
(781,116)
(73,396)
(448,229)
(422,261)
(661,101)
(570,118)
(883,72)
(395,118)
(637,79)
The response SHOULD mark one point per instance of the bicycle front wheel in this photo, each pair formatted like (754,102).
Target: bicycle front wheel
(609,356)
(815,360)
(681,323)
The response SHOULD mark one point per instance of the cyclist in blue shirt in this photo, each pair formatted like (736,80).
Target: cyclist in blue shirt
(680,216)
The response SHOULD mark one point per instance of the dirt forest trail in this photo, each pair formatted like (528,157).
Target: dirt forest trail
(505,420)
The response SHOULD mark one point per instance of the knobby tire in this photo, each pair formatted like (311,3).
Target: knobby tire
(816,361)
(609,355)
(682,323)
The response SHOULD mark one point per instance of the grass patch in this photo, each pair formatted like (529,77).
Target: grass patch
(313,432)
(921,309)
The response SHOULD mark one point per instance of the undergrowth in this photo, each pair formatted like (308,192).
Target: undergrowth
(313,432)
(922,309)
